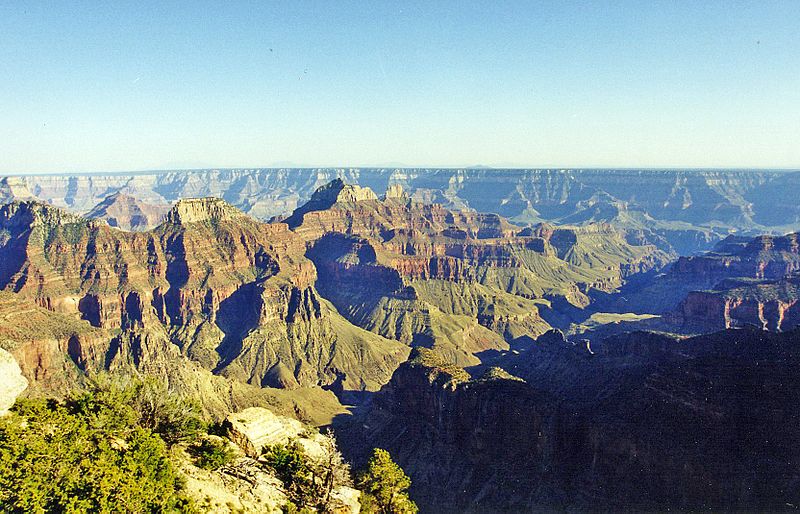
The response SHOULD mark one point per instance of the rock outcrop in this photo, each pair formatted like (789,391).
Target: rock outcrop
(12,383)
(767,304)
(14,188)
(459,282)
(254,428)
(245,484)
(232,294)
(739,271)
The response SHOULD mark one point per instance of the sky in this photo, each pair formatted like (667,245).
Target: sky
(162,85)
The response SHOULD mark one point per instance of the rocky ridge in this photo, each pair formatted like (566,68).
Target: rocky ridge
(128,213)
(460,282)
(743,281)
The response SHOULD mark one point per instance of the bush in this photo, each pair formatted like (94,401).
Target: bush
(211,454)
(175,418)
(308,483)
(118,403)
(289,463)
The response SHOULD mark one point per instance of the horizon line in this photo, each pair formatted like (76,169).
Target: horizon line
(406,167)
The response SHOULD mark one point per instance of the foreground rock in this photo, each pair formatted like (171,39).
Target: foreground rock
(244,484)
(12,383)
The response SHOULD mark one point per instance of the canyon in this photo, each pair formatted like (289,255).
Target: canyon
(439,331)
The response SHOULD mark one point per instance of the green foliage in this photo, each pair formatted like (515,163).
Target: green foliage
(120,403)
(384,486)
(80,456)
(290,465)
(211,454)
(308,482)
(174,418)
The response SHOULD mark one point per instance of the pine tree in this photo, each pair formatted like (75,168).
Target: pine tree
(384,485)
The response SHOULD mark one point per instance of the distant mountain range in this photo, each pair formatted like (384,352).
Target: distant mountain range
(682,210)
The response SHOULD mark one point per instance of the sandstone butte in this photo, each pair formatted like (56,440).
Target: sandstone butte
(127,212)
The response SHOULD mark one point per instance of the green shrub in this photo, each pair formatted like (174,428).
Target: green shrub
(290,465)
(211,454)
(76,457)
(118,403)
(308,482)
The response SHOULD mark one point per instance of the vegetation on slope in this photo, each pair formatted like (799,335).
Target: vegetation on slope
(117,446)
(101,450)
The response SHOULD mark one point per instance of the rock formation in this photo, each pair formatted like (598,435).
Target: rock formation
(743,281)
(126,212)
(640,422)
(231,294)
(14,188)
(12,383)
(683,210)
(460,282)
(244,485)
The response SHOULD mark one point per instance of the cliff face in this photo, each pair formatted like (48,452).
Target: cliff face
(12,383)
(762,257)
(743,281)
(676,212)
(234,295)
(766,304)
(460,282)
(640,421)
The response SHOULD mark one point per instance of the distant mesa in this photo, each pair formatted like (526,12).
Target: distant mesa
(337,191)
(195,210)
(330,194)
(685,211)
(14,188)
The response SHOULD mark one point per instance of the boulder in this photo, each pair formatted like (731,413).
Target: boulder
(256,427)
(12,383)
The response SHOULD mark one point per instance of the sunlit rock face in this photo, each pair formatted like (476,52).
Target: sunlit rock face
(461,282)
(229,292)
(12,383)
(127,213)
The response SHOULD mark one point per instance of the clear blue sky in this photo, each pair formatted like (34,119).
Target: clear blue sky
(146,85)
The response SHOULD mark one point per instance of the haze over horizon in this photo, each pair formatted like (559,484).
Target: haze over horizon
(146,86)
